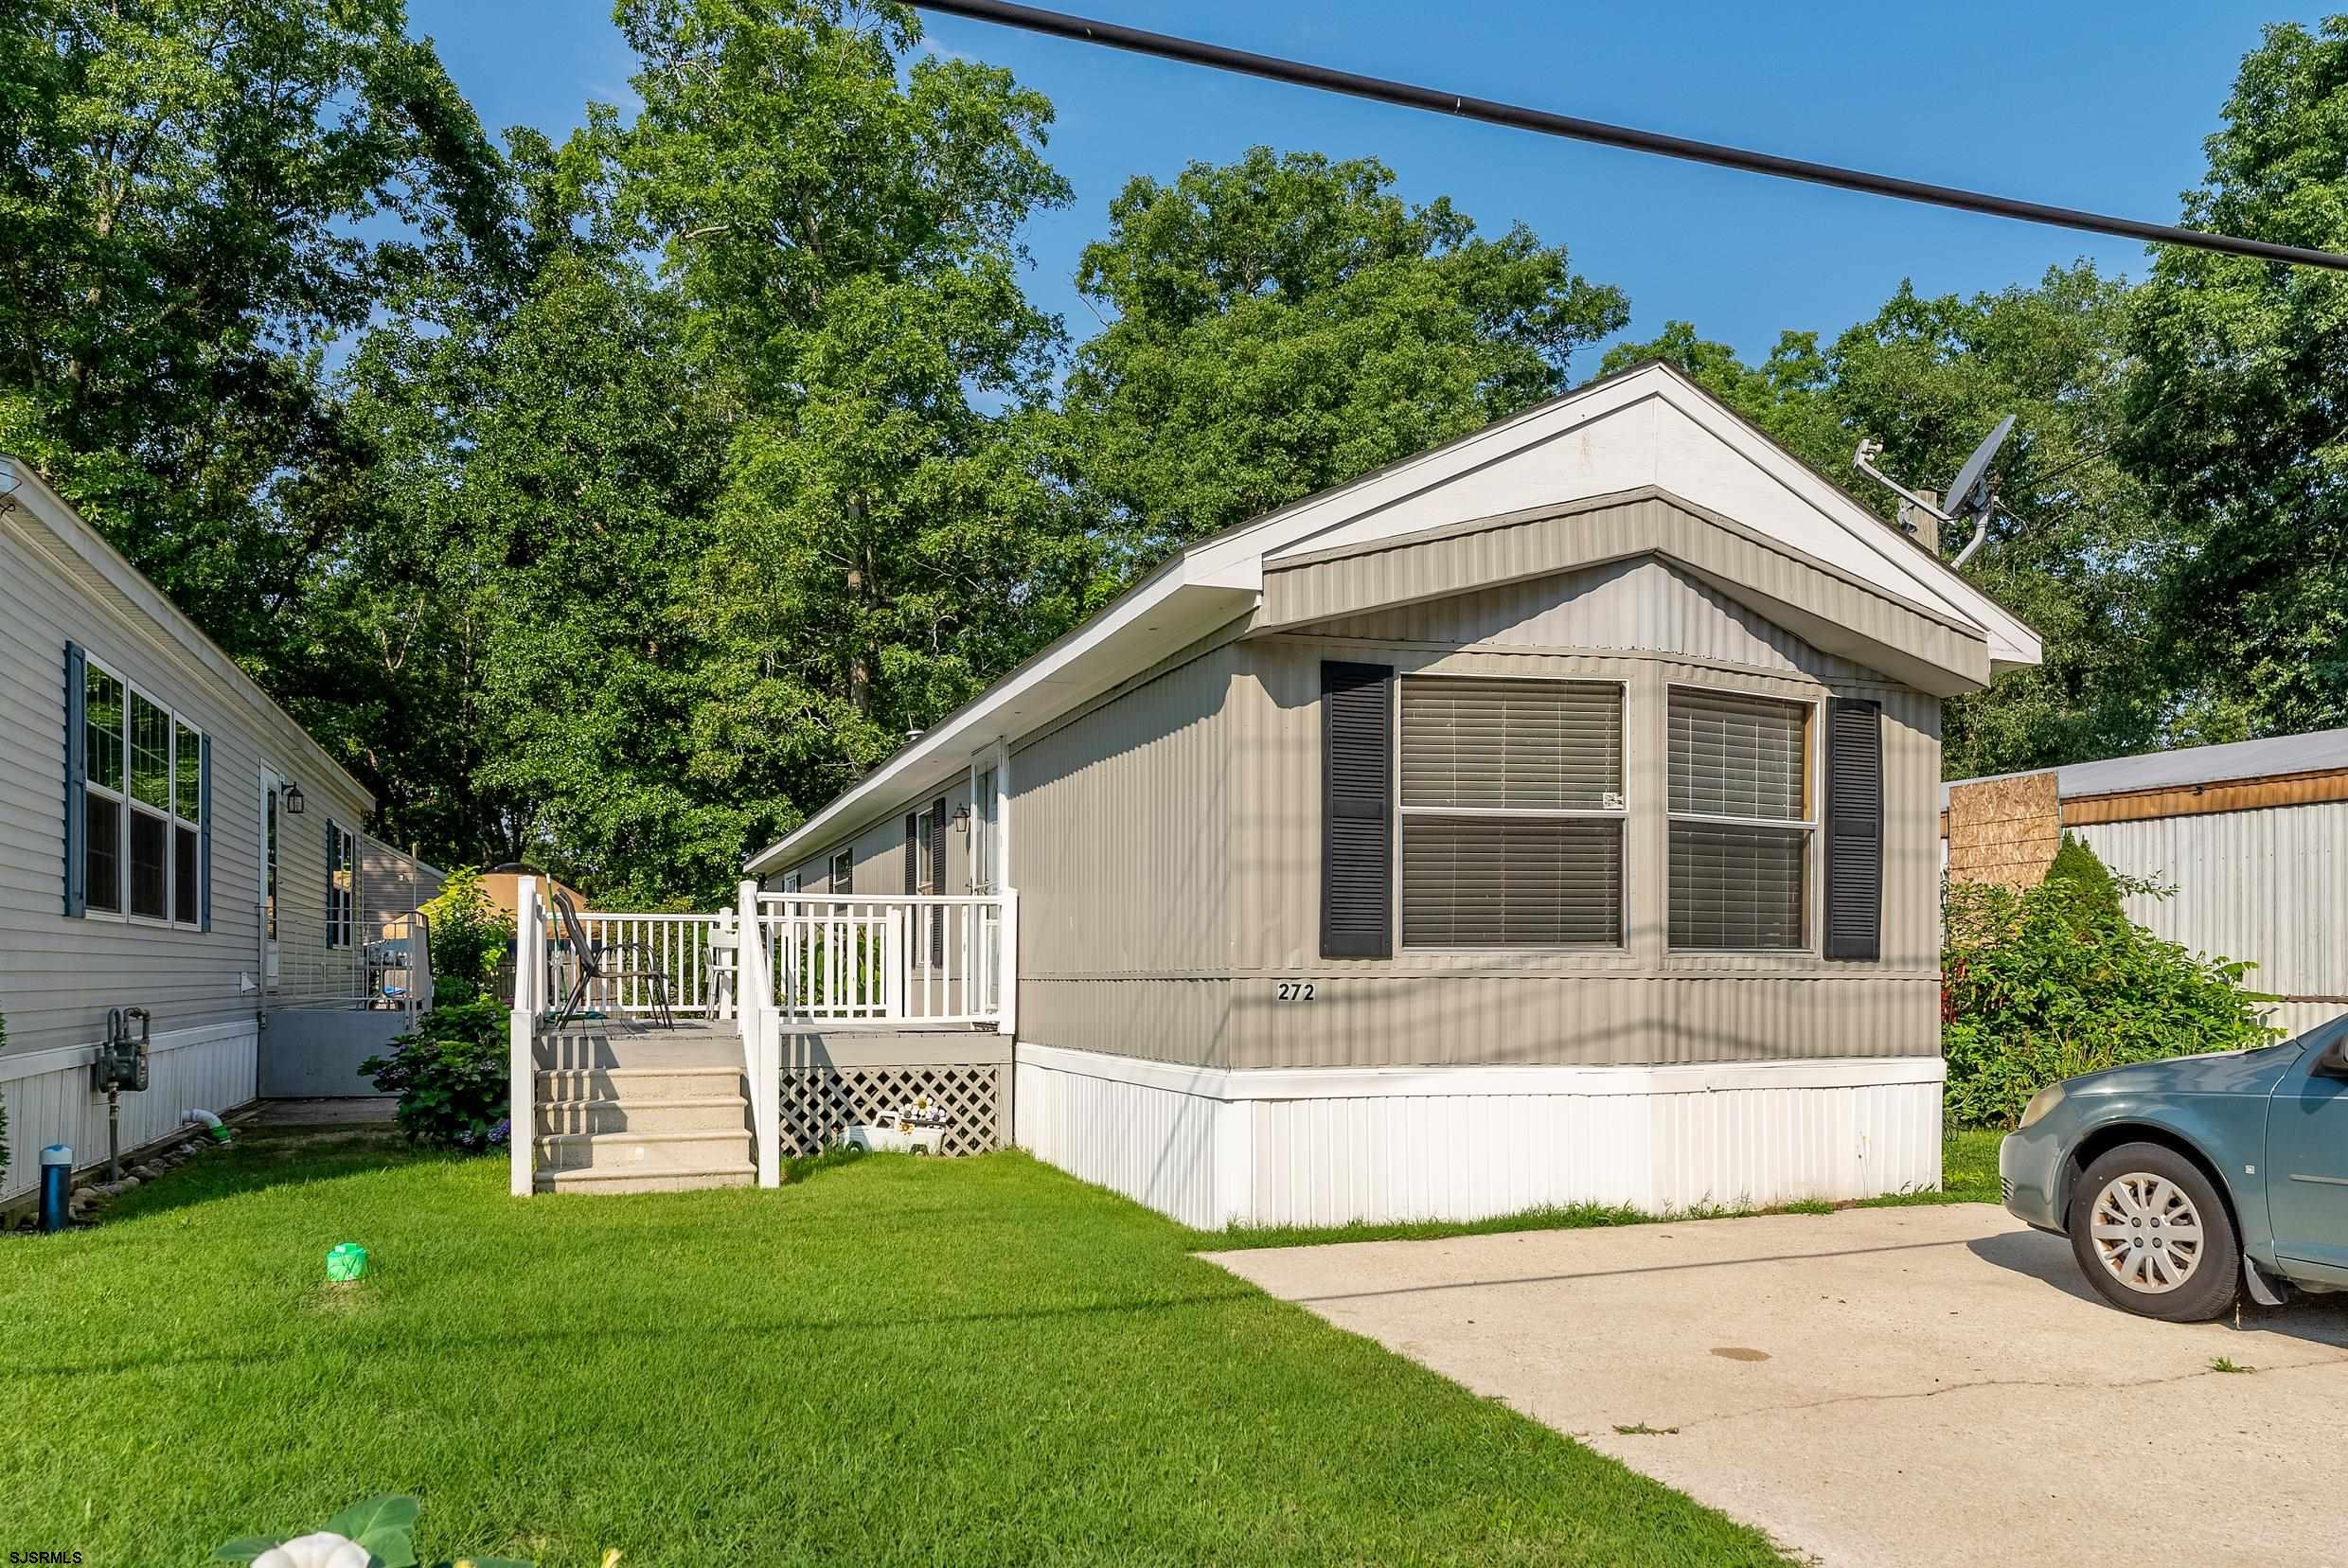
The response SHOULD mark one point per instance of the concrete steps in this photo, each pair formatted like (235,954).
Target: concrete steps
(657,1111)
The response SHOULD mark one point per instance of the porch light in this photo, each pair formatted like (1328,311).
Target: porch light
(292,798)
(962,817)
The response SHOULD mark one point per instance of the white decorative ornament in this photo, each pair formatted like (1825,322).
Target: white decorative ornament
(324,1549)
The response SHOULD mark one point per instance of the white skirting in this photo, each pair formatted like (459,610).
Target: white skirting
(1325,1146)
(50,1100)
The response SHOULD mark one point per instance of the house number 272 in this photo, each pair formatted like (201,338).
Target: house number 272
(1295,991)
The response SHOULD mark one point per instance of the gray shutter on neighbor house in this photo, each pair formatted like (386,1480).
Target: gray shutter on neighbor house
(203,831)
(912,852)
(1854,830)
(1356,810)
(76,782)
(332,832)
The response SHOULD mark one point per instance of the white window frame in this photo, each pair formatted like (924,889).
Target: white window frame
(832,875)
(124,804)
(1812,728)
(1619,815)
(342,903)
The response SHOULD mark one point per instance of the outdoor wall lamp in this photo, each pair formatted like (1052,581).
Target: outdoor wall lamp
(962,817)
(292,800)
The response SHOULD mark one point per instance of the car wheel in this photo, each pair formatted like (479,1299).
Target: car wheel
(2152,1235)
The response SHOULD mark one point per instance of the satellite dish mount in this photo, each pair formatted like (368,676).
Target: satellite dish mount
(1971,499)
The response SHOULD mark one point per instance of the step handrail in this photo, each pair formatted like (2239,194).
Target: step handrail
(761,1032)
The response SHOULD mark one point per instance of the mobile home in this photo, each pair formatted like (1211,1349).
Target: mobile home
(169,840)
(1548,817)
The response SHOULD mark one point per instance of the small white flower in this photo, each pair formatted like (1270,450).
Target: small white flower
(323,1550)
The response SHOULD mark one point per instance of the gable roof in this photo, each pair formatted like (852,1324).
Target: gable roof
(1645,432)
(85,556)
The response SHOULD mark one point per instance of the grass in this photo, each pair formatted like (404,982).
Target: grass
(1968,1175)
(890,1360)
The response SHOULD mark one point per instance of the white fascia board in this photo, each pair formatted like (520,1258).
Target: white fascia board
(1167,613)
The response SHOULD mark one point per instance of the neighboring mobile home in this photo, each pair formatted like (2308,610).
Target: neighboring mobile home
(2250,838)
(1549,817)
(171,840)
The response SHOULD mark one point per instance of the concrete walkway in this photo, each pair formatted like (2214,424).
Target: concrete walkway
(1893,1387)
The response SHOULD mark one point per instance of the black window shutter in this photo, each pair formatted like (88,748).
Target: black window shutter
(937,883)
(1356,810)
(331,836)
(203,831)
(1854,830)
(76,782)
(912,852)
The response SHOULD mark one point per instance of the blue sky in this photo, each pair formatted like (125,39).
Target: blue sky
(2097,106)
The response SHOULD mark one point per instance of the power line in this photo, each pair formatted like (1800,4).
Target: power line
(1517,117)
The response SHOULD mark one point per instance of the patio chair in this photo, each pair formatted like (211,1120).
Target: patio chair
(619,961)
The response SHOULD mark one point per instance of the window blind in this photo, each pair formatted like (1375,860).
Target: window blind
(1518,883)
(1512,745)
(1736,887)
(1737,757)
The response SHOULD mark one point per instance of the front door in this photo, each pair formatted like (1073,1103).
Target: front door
(2308,1158)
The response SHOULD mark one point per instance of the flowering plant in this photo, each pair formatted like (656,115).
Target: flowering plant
(375,1533)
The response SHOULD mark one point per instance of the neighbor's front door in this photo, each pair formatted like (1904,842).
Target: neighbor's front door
(2307,1159)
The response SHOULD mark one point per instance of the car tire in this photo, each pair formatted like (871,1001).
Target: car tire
(2131,1213)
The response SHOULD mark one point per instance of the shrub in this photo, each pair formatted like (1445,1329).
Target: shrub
(2054,981)
(451,1076)
(470,935)
(2076,862)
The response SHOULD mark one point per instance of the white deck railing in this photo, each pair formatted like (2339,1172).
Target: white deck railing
(906,959)
(677,945)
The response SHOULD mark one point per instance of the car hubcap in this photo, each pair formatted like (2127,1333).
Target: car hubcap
(2147,1233)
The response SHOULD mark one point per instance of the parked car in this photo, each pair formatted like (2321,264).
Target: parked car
(2181,1183)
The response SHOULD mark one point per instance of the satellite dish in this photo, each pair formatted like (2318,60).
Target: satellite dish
(1970,498)
(1968,492)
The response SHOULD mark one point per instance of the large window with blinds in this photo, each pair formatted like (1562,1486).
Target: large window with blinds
(1741,811)
(1512,812)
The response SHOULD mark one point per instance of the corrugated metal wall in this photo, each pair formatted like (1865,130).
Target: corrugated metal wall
(2268,885)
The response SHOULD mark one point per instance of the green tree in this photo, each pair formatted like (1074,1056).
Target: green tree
(1287,323)
(2237,415)
(2071,549)
(197,196)
(840,219)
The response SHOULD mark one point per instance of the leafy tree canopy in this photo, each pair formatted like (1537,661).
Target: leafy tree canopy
(1287,323)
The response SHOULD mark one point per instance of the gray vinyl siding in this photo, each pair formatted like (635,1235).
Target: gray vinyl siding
(58,974)
(1167,848)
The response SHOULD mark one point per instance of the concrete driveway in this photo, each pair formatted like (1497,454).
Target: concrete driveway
(1898,1386)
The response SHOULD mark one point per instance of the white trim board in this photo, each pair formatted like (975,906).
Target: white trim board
(59,1059)
(1275,1083)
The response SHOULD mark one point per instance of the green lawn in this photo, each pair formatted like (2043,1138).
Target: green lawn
(891,1361)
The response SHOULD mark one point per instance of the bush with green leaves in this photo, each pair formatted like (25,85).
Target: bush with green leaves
(450,1076)
(468,933)
(379,1532)
(2053,981)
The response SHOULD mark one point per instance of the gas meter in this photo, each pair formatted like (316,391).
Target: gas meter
(122,1060)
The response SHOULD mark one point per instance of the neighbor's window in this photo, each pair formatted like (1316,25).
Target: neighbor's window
(1512,812)
(142,804)
(1741,821)
(342,885)
(842,872)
